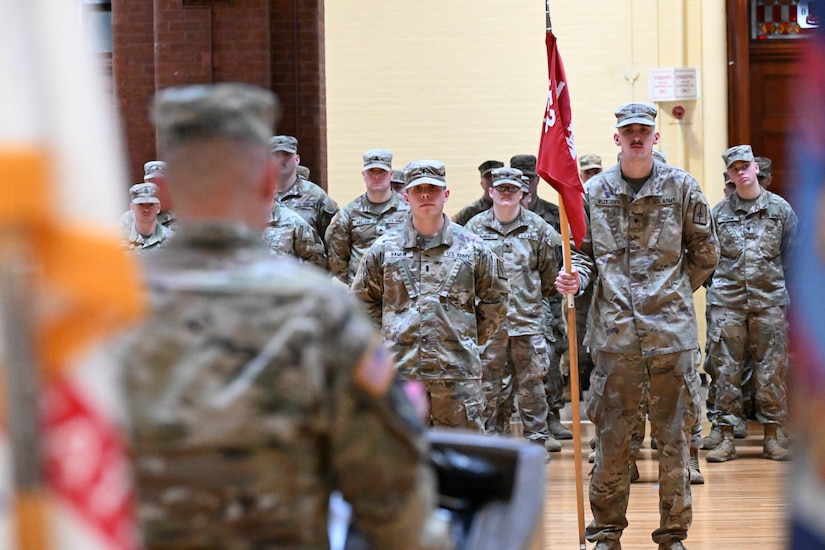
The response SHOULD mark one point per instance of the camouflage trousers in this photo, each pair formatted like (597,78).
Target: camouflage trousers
(736,339)
(555,335)
(522,359)
(456,403)
(617,388)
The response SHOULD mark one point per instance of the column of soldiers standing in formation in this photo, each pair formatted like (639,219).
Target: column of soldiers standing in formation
(471,308)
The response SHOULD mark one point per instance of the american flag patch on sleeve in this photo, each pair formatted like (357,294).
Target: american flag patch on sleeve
(374,372)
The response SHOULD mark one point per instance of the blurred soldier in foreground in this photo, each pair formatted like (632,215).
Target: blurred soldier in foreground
(439,294)
(256,387)
(356,226)
(144,232)
(646,218)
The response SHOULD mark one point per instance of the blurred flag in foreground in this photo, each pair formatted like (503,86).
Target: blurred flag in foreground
(807,276)
(65,285)
(556,163)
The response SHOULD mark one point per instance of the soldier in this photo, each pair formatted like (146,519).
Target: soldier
(747,298)
(302,196)
(154,171)
(288,234)
(484,203)
(527,245)
(355,227)
(649,245)
(398,182)
(589,166)
(144,232)
(764,176)
(438,293)
(554,330)
(256,387)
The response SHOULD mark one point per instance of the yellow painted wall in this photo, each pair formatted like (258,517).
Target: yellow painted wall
(463,81)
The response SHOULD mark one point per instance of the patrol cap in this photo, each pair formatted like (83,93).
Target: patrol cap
(728,181)
(525,163)
(525,184)
(422,172)
(660,156)
(398,176)
(153,168)
(588,162)
(507,176)
(764,167)
(144,193)
(736,153)
(231,111)
(287,144)
(635,113)
(302,171)
(378,158)
(485,167)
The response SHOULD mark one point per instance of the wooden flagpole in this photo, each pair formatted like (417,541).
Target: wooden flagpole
(573,351)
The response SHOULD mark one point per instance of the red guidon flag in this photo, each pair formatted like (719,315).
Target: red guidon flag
(556,163)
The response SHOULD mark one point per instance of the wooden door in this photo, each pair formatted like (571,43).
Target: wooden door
(761,77)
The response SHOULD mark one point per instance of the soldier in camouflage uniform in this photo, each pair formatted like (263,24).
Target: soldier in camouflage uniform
(154,172)
(144,232)
(439,294)
(298,194)
(287,234)
(527,245)
(398,182)
(484,203)
(650,243)
(356,226)
(256,387)
(747,298)
(554,329)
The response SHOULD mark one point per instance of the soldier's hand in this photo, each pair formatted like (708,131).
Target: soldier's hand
(567,283)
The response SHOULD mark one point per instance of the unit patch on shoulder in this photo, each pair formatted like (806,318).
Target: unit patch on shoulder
(700,214)
(374,373)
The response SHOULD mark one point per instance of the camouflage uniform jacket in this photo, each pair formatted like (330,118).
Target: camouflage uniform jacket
(288,234)
(554,328)
(755,245)
(355,227)
(253,390)
(311,202)
(528,251)
(132,240)
(476,207)
(436,303)
(646,255)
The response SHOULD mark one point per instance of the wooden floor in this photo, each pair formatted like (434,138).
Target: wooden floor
(741,506)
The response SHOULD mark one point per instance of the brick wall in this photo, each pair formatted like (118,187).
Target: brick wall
(276,44)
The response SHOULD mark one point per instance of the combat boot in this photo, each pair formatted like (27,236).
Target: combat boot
(696,477)
(713,439)
(726,450)
(552,445)
(773,449)
(557,429)
(634,471)
(608,545)
(740,431)
(674,545)
(543,444)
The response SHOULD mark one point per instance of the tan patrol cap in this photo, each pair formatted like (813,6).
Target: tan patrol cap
(422,172)
(378,158)
(144,193)
(635,113)
(737,153)
(588,162)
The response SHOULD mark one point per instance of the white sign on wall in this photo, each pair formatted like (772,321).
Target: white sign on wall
(674,84)
(807,15)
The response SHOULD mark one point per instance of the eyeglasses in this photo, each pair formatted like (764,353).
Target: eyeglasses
(507,189)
